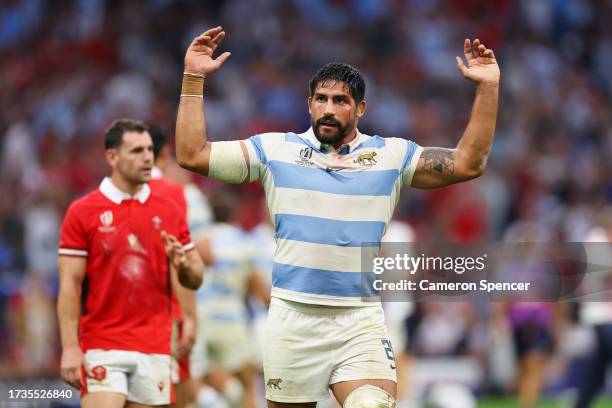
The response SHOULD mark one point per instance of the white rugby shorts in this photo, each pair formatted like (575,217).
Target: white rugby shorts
(144,378)
(309,347)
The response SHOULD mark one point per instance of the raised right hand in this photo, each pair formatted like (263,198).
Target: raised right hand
(199,57)
(72,362)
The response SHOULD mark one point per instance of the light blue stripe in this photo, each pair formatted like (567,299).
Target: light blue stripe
(409,153)
(375,142)
(367,182)
(293,138)
(323,282)
(258,146)
(326,231)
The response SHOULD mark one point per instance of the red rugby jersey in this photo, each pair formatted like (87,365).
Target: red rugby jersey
(126,291)
(175,192)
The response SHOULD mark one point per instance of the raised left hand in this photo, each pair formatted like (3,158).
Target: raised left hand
(481,63)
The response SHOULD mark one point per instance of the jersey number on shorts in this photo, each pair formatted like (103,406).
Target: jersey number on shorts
(389,351)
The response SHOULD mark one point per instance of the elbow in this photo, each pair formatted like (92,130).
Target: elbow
(191,280)
(474,173)
(184,161)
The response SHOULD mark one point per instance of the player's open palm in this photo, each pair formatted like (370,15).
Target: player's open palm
(481,63)
(199,57)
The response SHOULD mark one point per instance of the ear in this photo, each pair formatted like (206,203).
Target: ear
(309,100)
(111,156)
(361,108)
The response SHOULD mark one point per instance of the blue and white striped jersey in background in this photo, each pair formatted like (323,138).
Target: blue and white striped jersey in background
(324,204)
(222,295)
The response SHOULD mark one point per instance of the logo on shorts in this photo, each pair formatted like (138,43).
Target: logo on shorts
(106,218)
(366,159)
(160,386)
(274,383)
(98,373)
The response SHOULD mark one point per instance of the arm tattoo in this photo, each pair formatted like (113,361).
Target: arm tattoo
(438,160)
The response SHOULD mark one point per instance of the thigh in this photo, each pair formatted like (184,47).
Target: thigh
(150,384)
(103,399)
(297,357)
(366,354)
(108,373)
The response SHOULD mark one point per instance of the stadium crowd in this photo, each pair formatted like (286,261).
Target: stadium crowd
(67,69)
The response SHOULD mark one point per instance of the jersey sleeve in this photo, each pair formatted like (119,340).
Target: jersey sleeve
(409,163)
(257,157)
(73,237)
(182,232)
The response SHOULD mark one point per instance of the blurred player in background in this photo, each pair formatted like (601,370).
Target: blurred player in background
(597,315)
(183,300)
(223,357)
(114,305)
(329,190)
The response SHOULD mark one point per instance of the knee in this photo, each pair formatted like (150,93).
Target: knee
(369,396)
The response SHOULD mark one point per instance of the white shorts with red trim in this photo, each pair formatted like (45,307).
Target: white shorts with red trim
(144,378)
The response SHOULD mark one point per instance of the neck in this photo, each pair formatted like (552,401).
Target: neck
(346,139)
(125,185)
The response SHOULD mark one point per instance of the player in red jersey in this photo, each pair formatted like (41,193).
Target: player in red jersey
(117,246)
(183,300)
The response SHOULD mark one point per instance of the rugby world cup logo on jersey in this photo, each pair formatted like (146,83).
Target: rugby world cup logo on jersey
(305,156)
(106,218)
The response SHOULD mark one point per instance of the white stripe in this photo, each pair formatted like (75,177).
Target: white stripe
(318,256)
(327,300)
(386,158)
(188,247)
(75,252)
(327,205)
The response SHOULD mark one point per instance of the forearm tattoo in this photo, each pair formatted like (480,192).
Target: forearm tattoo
(438,160)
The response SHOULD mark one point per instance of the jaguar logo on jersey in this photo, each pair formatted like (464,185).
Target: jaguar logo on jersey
(156,222)
(98,373)
(106,218)
(366,159)
(274,383)
(305,156)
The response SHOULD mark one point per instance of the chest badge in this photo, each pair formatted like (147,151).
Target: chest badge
(305,156)
(366,159)
(156,222)
(106,219)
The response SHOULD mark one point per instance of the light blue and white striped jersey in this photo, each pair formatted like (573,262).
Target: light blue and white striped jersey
(324,204)
(222,295)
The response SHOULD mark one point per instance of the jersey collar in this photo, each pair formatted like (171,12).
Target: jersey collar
(111,192)
(344,149)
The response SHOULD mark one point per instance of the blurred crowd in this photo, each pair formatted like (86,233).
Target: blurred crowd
(68,68)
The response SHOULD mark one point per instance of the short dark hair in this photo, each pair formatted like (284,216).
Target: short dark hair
(339,71)
(113,136)
(159,138)
(223,204)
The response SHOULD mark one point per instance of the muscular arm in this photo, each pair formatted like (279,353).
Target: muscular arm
(72,273)
(438,167)
(193,150)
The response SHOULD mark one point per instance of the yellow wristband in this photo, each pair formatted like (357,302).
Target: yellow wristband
(193,84)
